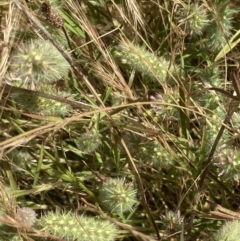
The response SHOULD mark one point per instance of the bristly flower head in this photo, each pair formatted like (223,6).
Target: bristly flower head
(172,218)
(80,228)
(228,163)
(89,141)
(198,19)
(44,106)
(230,231)
(38,62)
(152,67)
(116,195)
(26,216)
(155,154)
(221,25)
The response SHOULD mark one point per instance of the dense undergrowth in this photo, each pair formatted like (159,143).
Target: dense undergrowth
(113,120)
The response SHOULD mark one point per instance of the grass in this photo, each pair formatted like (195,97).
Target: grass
(125,113)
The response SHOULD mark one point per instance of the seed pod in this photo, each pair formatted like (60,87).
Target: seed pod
(52,15)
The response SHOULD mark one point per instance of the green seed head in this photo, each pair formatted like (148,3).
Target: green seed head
(197,19)
(220,29)
(38,61)
(151,66)
(89,141)
(44,106)
(79,228)
(116,195)
(230,231)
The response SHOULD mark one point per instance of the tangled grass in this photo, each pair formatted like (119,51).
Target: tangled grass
(138,94)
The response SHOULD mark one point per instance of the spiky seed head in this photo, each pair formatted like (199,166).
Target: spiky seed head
(38,61)
(155,154)
(230,231)
(221,25)
(172,217)
(197,18)
(117,195)
(89,141)
(43,106)
(80,228)
(152,67)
